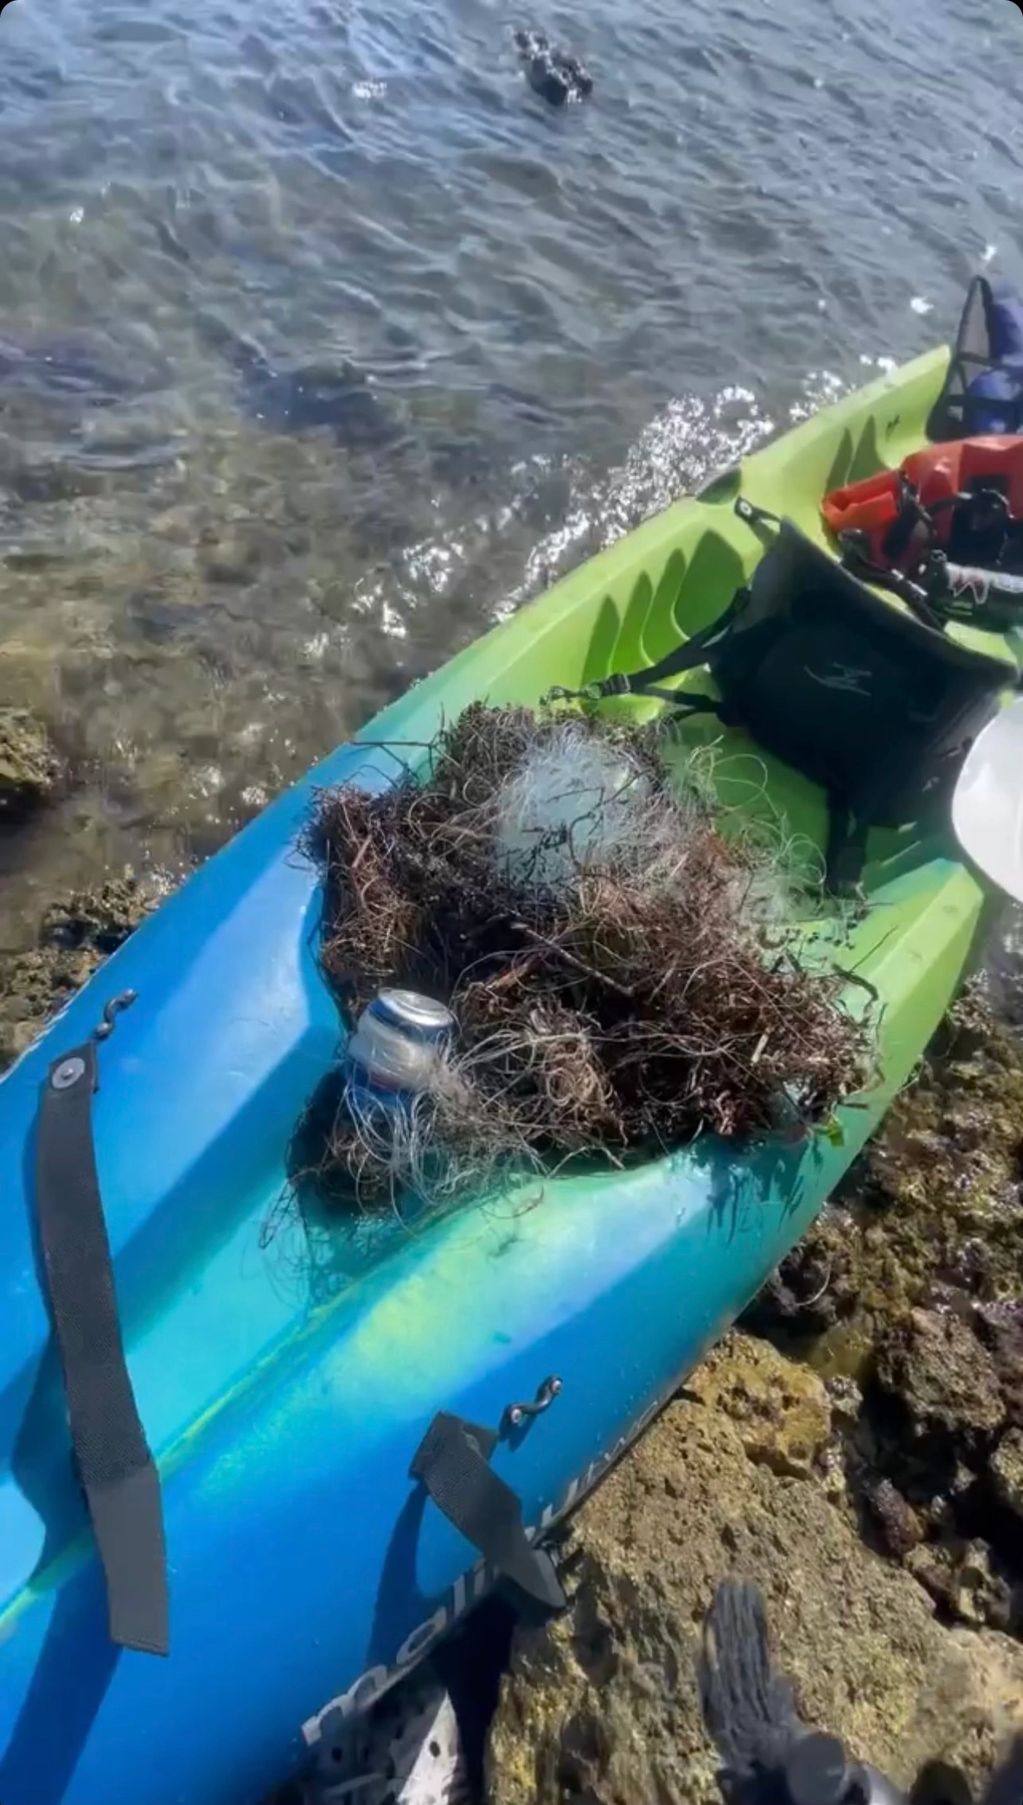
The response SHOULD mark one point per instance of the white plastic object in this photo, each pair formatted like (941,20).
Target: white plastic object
(987,808)
(573,805)
(407,1751)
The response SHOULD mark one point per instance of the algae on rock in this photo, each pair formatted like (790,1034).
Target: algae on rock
(782,1411)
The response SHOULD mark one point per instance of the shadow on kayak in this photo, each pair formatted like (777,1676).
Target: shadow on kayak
(64,1695)
(342,1236)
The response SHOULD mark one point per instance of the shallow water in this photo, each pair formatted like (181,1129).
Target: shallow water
(519,329)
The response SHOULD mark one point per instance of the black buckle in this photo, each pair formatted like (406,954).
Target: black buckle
(754,516)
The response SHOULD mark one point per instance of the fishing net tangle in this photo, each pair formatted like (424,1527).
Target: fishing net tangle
(619,968)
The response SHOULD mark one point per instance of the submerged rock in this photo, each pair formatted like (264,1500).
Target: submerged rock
(65,369)
(29,767)
(76,935)
(602,1706)
(807,1293)
(338,398)
(99,920)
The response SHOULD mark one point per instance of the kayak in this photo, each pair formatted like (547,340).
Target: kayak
(283,1388)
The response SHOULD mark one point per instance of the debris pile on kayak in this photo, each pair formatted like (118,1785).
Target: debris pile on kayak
(619,976)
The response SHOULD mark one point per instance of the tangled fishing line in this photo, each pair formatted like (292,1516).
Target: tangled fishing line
(619,969)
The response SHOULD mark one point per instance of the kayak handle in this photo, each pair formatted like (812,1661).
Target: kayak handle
(111,1011)
(516,1414)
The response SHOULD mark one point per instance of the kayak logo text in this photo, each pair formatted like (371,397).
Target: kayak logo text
(468,1589)
(846,677)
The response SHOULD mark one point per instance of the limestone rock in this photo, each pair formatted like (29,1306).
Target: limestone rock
(979,1593)
(76,935)
(602,1706)
(99,919)
(899,1525)
(1000,1327)
(33,986)
(782,1411)
(29,767)
(935,1199)
(967,1581)
(935,1368)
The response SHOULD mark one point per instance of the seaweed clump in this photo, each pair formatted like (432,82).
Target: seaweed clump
(619,976)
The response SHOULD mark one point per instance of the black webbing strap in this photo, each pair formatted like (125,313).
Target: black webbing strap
(846,851)
(114,1464)
(753,516)
(452,1463)
(686,657)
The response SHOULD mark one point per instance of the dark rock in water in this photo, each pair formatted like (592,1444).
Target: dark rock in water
(337,397)
(527,406)
(29,767)
(556,75)
(802,1297)
(319,396)
(99,920)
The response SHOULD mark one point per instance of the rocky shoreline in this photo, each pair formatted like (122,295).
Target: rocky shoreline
(743,1475)
(75,935)
(856,1447)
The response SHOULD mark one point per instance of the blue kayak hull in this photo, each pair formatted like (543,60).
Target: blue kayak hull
(306,1570)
